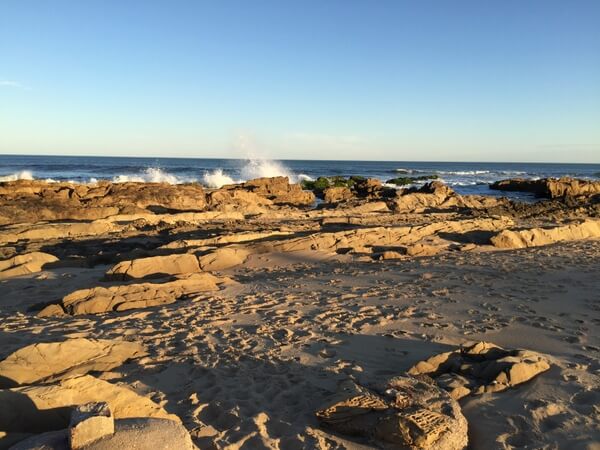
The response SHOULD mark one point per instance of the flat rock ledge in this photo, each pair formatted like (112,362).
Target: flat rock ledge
(133,296)
(480,368)
(410,414)
(48,362)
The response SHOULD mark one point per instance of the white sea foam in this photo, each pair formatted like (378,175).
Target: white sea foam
(217,178)
(304,177)
(150,175)
(22,175)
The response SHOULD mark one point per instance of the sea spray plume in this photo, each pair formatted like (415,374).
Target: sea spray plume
(216,179)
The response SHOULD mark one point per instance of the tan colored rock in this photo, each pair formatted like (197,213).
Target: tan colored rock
(48,362)
(140,433)
(131,296)
(410,414)
(481,367)
(25,264)
(89,423)
(431,195)
(223,258)
(154,267)
(225,239)
(337,194)
(280,191)
(423,250)
(41,408)
(534,237)
(550,187)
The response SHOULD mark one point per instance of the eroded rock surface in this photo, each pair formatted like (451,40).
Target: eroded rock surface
(52,361)
(41,408)
(154,267)
(25,264)
(411,413)
(131,296)
(534,237)
(550,187)
(481,367)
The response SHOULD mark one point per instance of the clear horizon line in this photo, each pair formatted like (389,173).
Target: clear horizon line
(295,159)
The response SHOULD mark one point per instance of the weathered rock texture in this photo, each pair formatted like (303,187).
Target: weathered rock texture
(410,414)
(41,408)
(32,201)
(534,237)
(131,296)
(550,187)
(25,264)
(481,367)
(360,240)
(130,434)
(89,423)
(47,362)
(280,191)
(154,267)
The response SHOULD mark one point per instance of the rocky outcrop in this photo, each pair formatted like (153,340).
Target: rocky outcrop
(154,267)
(47,362)
(430,195)
(534,237)
(337,194)
(550,187)
(280,191)
(409,413)
(33,201)
(360,240)
(132,296)
(25,264)
(47,407)
(480,368)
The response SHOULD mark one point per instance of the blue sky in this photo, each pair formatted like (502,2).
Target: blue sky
(440,80)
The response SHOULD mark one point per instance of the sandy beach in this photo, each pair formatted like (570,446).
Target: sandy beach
(252,303)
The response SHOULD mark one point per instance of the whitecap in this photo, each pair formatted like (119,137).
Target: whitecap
(22,175)
(217,178)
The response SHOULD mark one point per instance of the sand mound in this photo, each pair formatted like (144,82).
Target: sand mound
(48,362)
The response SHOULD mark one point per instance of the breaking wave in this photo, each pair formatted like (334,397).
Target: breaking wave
(217,178)
(151,175)
(22,175)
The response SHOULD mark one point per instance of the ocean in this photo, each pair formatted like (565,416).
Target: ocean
(464,177)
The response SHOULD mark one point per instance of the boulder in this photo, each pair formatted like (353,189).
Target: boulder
(154,267)
(410,413)
(337,194)
(47,362)
(89,423)
(25,264)
(481,367)
(430,195)
(534,237)
(131,296)
(280,191)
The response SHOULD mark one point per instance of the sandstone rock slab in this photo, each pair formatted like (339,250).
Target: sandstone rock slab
(52,361)
(481,367)
(25,264)
(154,267)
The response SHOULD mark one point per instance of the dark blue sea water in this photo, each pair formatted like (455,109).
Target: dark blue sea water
(465,178)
